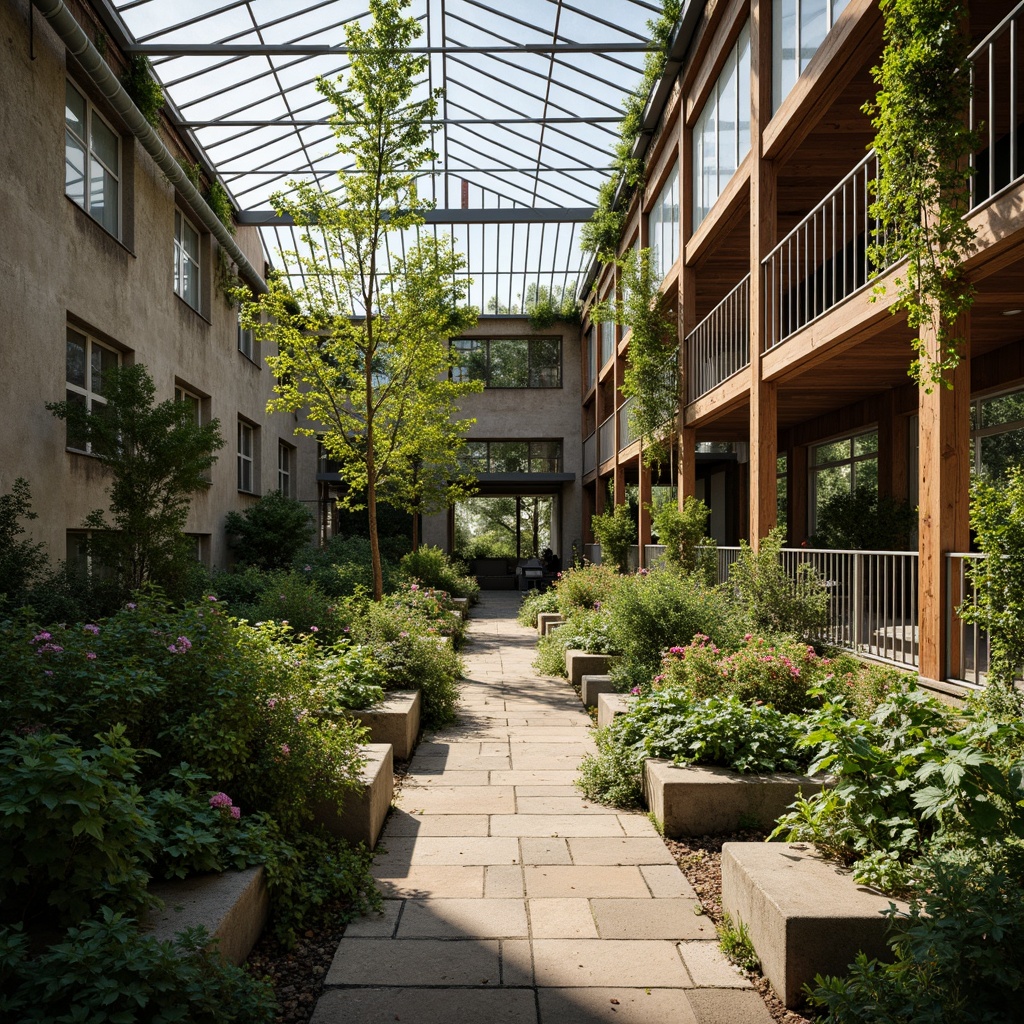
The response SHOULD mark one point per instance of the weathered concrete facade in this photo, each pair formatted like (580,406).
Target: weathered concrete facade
(62,269)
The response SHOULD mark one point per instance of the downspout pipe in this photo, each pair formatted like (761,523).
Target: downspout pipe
(79,44)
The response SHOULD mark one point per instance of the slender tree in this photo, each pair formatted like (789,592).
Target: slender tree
(362,345)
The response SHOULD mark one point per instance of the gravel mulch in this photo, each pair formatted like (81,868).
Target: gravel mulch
(700,859)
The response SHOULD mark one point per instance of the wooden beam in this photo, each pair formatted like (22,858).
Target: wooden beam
(763,393)
(728,396)
(727,210)
(944,499)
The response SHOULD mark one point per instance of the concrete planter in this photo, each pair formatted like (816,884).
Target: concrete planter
(697,800)
(461,606)
(232,906)
(609,705)
(805,915)
(582,663)
(361,816)
(545,620)
(395,721)
(591,687)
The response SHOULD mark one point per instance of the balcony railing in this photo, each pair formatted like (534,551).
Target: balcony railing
(589,454)
(719,345)
(606,440)
(824,259)
(997,109)
(626,437)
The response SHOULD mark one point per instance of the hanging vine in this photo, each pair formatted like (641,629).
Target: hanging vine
(922,194)
(601,233)
(650,377)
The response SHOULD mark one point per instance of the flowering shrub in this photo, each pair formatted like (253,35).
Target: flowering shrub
(584,631)
(432,568)
(535,602)
(583,586)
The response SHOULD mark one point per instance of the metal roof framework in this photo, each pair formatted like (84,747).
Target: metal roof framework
(523,136)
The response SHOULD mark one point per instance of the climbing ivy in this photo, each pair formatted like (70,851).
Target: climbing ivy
(601,233)
(143,88)
(650,377)
(922,192)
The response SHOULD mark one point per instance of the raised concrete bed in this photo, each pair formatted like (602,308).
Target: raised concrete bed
(805,915)
(231,906)
(362,814)
(611,704)
(395,721)
(697,800)
(461,606)
(547,619)
(591,687)
(582,663)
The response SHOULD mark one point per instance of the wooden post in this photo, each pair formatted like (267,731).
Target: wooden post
(763,394)
(644,530)
(944,495)
(796,491)
(686,485)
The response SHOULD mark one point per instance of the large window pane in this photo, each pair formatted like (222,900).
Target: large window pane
(510,456)
(727,100)
(1004,409)
(545,456)
(509,364)
(103,359)
(74,110)
(104,144)
(103,198)
(1001,452)
(784,58)
(813,27)
(74,169)
(837,451)
(607,341)
(75,359)
(545,363)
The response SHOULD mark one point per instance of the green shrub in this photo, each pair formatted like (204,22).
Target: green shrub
(143,88)
(650,612)
(269,533)
(106,970)
(412,658)
(584,587)
(431,567)
(775,601)
(343,567)
(683,533)
(865,520)
(22,563)
(614,775)
(301,604)
(535,602)
(615,531)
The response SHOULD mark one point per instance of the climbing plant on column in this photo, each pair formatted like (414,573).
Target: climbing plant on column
(922,193)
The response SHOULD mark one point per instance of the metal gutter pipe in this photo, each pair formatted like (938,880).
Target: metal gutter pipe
(78,43)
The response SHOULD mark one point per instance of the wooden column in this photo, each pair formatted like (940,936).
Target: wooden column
(686,484)
(763,394)
(796,490)
(644,531)
(944,493)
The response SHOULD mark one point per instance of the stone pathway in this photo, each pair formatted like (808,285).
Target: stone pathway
(508,897)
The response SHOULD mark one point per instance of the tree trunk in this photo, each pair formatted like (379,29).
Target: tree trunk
(371,515)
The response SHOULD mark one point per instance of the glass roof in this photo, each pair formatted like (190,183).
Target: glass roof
(526,127)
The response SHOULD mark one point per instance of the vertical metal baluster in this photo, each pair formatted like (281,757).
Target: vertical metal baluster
(991,124)
(1014,169)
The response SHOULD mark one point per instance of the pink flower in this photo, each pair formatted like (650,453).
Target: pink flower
(272,703)
(47,672)
(236,813)
(220,800)
(414,586)
(210,597)
(314,629)
(131,606)
(307,568)
(90,655)
(49,649)
(91,627)
(41,637)
(403,633)
(636,689)
(285,749)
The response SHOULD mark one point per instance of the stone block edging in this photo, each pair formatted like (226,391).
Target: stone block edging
(361,815)
(592,686)
(610,705)
(396,721)
(232,906)
(805,915)
(582,663)
(547,619)
(696,800)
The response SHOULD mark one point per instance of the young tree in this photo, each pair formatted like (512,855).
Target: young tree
(158,457)
(362,346)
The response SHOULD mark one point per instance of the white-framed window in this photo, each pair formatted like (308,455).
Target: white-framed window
(997,434)
(285,469)
(81,559)
(246,340)
(199,547)
(844,465)
(247,440)
(663,225)
(799,27)
(721,134)
(92,160)
(186,260)
(86,361)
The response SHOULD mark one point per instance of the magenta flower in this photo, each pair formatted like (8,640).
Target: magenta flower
(41,637)
(91,627)
(272,703)
(210,597)
(236,813)
(220,800)
(636,689)
(314,629)
(90,655)
(49,649)
(285,749)
(414,586)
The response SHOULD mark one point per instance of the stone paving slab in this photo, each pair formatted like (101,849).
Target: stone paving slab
(509,897)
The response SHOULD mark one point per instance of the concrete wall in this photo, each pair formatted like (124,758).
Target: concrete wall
(60,267)
(531,414)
